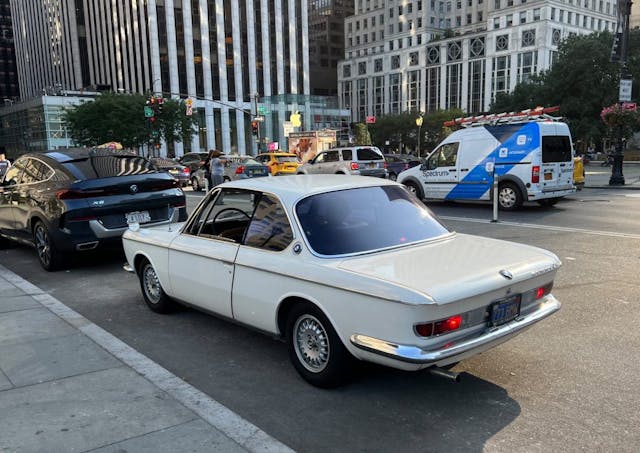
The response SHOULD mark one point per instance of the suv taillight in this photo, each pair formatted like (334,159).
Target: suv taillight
(240,170)
(355,166)
(535,174)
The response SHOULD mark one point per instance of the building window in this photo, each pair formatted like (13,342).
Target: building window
(502,42)
(556,36)
(497,4)
(413,90)
(378,96)
(394,93)
(362,68)
(395,61)
(501,74)
(536,14)
(413,58)
(433,89)
(377,65)
(454,85)
(433,55)
(509,20)
(477,47)
(454,51)
(528,38)
(362,99)
(496,23)
(346,95)
(346,71)
(523,17)
(527,65)
(475,88)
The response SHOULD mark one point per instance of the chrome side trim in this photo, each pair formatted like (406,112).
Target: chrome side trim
(415,354)
(102,232)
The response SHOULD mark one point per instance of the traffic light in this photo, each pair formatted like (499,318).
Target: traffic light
(254,127)
(616,48)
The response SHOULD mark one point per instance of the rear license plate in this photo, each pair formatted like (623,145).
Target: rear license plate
(372,165)
(548,176)
(504,310)
(173,172)
(138,217)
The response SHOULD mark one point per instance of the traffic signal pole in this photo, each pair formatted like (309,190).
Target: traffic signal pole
(256,98)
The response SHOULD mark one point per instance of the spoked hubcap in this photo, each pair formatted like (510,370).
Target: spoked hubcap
(42,245)
(507,197)
(151,284)
(311,343)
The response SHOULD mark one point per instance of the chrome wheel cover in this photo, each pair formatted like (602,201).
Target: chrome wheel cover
(507,197)
(151,284)
(43,246)
(311,343)
(411,188)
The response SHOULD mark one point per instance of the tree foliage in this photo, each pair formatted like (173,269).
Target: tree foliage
(120,117)
(582,80)
(361,134)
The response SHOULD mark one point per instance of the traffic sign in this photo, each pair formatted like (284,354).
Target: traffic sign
(148,111)
(262,110)
(258,118)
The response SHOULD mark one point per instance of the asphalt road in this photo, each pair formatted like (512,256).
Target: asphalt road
(571,383)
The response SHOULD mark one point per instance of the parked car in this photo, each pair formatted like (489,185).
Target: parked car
(180,173)
(355,160)
(235,167)
(397,163)
(74,200)
(578,172)
(343,268)
(194,160)
(279,163)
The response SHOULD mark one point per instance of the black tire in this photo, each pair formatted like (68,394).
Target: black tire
(152,292)
(509,196)
(51,259)
(548,202)
(4,243)
(316,351)
(195,185)
(393,176)
(415,189)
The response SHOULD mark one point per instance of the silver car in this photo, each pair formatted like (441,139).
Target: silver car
(354,160)
(235,167)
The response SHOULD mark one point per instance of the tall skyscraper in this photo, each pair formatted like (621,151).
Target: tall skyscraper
(426,55)
(220,53)
(8,71)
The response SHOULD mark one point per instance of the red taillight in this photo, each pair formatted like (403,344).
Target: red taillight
(439,327)
(74,194)
(240,170)
(543,290)
(386,165)
(535,174)
(186,170)
(354,165)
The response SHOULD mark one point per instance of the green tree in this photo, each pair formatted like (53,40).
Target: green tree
(361,134)
(120,117)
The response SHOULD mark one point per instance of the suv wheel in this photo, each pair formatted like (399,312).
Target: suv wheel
(51,259)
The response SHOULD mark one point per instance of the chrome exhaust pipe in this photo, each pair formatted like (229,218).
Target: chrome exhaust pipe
(441,372)
(87,246)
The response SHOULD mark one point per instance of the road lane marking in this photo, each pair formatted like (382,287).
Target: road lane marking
(544,227)
(246,434)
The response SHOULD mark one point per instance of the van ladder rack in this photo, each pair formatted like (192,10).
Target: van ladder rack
(524,116)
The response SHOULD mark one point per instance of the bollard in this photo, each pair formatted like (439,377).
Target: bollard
(495,197)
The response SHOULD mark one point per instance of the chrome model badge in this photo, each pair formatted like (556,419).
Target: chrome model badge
(133,188)
(506,274)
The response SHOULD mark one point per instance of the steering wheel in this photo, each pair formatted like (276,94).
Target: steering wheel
(215,217)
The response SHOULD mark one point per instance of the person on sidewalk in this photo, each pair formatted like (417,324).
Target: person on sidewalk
(216,168)
(5,165)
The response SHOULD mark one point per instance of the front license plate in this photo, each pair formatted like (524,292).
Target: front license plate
(138,217)
(504,310)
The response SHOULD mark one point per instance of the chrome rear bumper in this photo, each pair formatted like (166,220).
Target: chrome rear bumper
(464,347)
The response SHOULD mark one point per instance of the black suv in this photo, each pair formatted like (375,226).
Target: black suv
(77,199)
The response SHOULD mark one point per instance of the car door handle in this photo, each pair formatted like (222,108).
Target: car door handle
(464,169)
(452,169)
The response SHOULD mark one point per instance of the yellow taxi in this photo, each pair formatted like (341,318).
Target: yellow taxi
(280,163)
(578,172)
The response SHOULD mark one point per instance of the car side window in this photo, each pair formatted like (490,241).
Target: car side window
(445,156)
(269,229)
(347,154)
(32,171)
(332,156)
(319,158)
(225,216)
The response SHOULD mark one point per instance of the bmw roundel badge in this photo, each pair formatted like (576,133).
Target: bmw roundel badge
(133,188)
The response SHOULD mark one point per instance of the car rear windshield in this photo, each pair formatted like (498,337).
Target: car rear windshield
(369,154)
(286,158)
(365,219)
(106,166)
(556,148)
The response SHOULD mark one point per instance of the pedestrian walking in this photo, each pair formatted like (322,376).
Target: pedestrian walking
(216,167)
(5,164)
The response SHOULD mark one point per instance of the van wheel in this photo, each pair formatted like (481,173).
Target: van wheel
(315,349)
(509,197)
(548,202)
(195,185)
(414,189)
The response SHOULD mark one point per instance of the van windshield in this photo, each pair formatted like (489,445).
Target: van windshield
(556,148)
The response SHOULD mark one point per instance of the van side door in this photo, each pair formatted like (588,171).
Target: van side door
(441,171)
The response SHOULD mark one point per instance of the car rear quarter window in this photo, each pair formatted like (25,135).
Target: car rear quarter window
(347,154)
(369,154)
(556,148)
(107,166)
(365,219)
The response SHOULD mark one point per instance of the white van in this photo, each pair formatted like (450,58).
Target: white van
(532,160)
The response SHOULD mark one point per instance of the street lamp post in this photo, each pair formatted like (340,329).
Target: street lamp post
(419,124)
(621,40)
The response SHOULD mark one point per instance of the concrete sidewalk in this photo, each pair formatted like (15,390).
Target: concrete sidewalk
(597,177)
(66,385)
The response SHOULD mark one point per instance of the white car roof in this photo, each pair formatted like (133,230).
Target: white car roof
(293,187)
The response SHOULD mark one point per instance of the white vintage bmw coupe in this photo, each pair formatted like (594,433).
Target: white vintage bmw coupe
(343,268)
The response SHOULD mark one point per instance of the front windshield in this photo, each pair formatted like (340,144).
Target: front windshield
(365,219)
